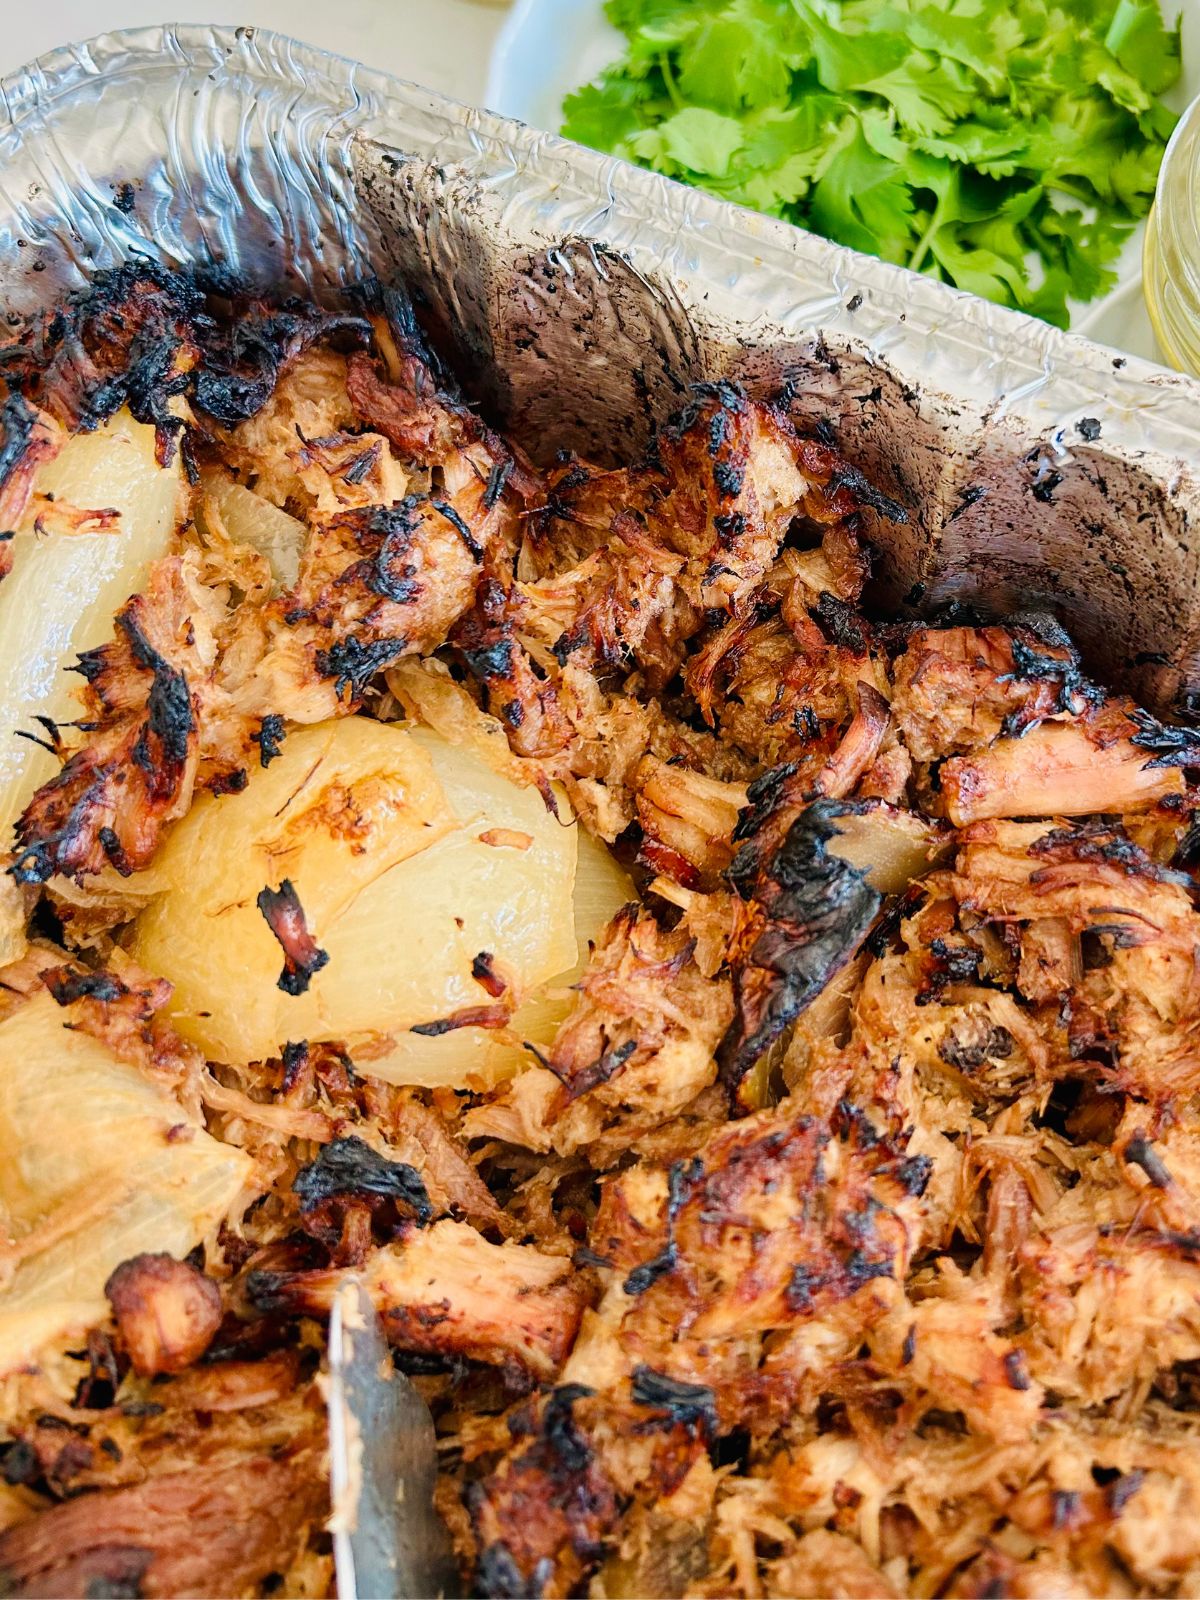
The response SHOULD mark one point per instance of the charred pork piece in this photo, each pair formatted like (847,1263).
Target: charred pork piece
(957,689)
(809,912)
(736,474)
(127,339)
(134,772)
(1027,734)
(1142,982)
(30,438)
(1059,769)
(541,1519)
(780,1219)
(405,393)
(208,1530)
(517,693)
(637,1047)
(693,530)
(687,821)
(243,356)
(1142,1289)
(446,1290)
(167,1312)
(778,1227)
(379,584)
(141,336)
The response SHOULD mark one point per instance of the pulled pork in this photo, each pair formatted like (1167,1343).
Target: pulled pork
(845,1241)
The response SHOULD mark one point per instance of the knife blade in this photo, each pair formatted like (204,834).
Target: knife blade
(388,1541)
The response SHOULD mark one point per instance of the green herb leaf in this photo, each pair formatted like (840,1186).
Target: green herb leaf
(1005,146)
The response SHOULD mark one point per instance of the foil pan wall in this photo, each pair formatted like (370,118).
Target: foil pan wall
(580,297)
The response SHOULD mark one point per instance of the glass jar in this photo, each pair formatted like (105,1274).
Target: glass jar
(1171,255)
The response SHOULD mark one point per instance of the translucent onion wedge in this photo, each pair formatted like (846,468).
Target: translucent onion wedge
(60,597)
(249,519)
(343,803)
(91,1173)
(409,856)
(890,846)
(481,1058)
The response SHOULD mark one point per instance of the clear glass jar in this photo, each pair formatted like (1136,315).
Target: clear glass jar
(1171,255)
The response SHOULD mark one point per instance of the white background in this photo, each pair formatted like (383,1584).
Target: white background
(442,43)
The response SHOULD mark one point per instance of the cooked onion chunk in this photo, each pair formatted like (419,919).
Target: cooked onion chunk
(99,1164)
(410,859)
(64,587)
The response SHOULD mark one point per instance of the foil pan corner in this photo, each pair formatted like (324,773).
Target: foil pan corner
(582,297)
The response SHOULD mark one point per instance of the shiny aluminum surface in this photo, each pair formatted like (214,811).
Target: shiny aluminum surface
(582,297)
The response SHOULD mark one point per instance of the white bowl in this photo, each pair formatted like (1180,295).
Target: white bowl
(548,47)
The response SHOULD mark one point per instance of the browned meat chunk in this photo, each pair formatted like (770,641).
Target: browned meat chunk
(166,1311)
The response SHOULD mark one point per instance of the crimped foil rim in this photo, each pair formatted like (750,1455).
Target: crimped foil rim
(585,294)
(589,190)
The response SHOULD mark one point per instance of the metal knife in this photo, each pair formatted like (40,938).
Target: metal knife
(388,1541)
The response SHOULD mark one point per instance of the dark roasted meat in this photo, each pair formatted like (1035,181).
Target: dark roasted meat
(830,1229)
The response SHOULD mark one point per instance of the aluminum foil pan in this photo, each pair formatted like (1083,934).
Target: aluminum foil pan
(580,297)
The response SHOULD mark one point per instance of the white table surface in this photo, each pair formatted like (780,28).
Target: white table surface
(444,44)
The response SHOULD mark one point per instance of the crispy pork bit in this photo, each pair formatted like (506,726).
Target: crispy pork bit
(379,584)
(136,769)
(636,1049)
(243,357)
(1059,769)
(957,689)
(284,915)
(445,1290)
(167,1312)
(734,1278)
(541,1520)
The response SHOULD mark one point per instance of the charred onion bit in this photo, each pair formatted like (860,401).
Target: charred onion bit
(166,1311)
(285,917)
(812,911)
(467,1017)
(351,1167)
(483,970)
(109,803)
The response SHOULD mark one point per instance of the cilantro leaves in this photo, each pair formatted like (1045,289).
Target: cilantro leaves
(1005,146)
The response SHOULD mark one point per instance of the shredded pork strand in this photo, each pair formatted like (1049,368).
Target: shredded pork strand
(844,1240)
